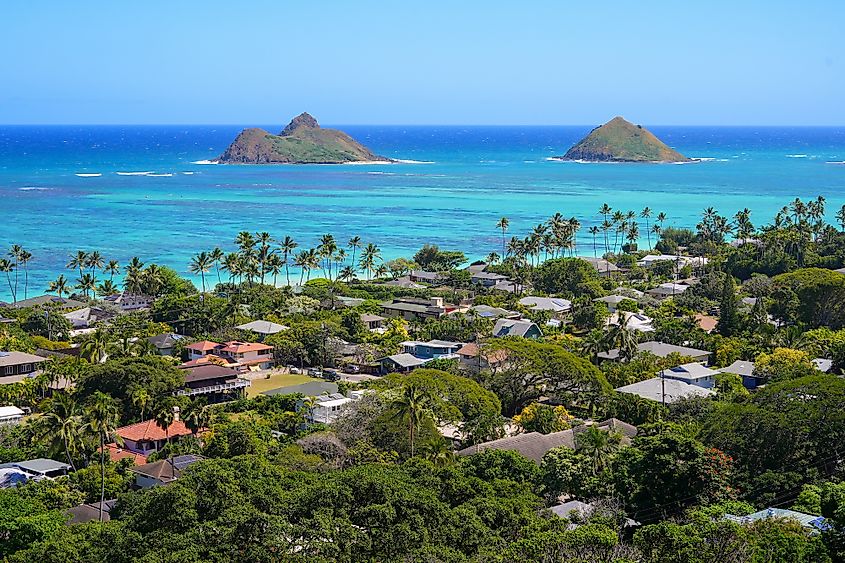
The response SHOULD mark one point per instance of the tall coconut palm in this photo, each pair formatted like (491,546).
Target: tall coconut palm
(61,423)
(107,288)
(7,267)
(25,258)
(301,261)
(217,256)
(245,240)
(112,268)
(369,255)
(355,243)
(263,240)
(94,261)
(347,273)
(326,250)
(152,280)
(287,246)
(58,285)
(599,445)
(141,399)
(15,254)
(646,214)
(492,258)
(78,261)
(605,210)
(87,283)
(412,405)
(503,225)
(594,230)
(164,415)
(195,415)
(201,264)
(102,417)
(274,266)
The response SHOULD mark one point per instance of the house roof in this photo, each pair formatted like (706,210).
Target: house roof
(823,364)
(235,347)
(208,371)
(10,411)
(488,311)
(506,286)
(423,275)
(563,510)
(471,351)
(203,346)
(600,264)
(206,360)
(149,431)
(692,370)
(116,453)
(488,276)
(512,327)
(659,349)
(806,520)
(42,465)
(63,303)
(367,318)
(404,283)
(90,512)
(167,470)
(555,304)
(406,360)
(310,389)
(262,327)
(706,322)
(166,340)
(739,367)
(674,388)
(18,358)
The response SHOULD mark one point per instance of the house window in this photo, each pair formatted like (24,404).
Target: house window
(9,370)
(26,368)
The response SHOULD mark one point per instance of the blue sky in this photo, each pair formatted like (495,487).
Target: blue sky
(436,62)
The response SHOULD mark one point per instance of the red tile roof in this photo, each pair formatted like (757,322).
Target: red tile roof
(149,431)
(235,347)
(209,359)
(116,453)
(203,346)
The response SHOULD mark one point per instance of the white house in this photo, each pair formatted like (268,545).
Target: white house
(10,415)
(693,373)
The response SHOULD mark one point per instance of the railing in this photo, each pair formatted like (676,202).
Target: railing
(239,384)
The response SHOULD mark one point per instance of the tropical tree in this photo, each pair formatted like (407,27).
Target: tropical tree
(287,246)
(201,264)
(59,286)
(102,417)
(217,256)
(112,268)
(8,267)
(107,288)
(354,243)
(15,254)
(87,283)
(503,225)
(412,405)
(599,445)
(61,422)
(141,399)
(94,347)
(164,415)
(646,214)
(24,260)
(94,261)
(78,261)
(369,255)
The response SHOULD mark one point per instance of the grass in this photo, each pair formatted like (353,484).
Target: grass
(277,381)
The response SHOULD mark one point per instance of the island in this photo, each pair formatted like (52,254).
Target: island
(619,140)
(303,141)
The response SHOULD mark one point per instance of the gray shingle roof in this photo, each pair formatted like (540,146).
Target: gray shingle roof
(659,349)
(675,389)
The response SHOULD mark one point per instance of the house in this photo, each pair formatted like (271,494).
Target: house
(613,301)
(692,373)
(814,524)
(19,472)
(555,305)
(746,371)
(422,276)
(215,382)
(147,437)
(162,472)
(665,290)
(242,356)
(16,366)
(90,512)
(706,322)
(374,323)
(634,321)
(412,309)
(649,260)
(433,349)
(117,453)
(534,445)
(10,415)
(506,285)
(662,350)
(165,343)
(131,301)
(88,317)
(581,509)
(47,300)
(197,350)
(488,312)
(665,390)
(487,279)
(326,408)
(310,389)
(401,363)
(602,266)
(474,359)
(404,283)
(512,327)
(824,365)
(349,302)
(262,328)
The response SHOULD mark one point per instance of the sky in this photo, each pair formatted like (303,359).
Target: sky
(460,62)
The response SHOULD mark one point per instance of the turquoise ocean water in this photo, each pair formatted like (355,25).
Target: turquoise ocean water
(463,179)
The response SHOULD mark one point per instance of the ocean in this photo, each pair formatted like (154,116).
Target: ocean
(460,182)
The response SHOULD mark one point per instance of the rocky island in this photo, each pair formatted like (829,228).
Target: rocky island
(303,141)
(619,140)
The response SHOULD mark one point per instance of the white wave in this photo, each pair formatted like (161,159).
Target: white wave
(703,158)
(88,175)
(839,162)
(529,161)
(34,189)
(133,173)
(165,175)
(796,156)
(365,162)
(187,173)
(409,161)
(205,162)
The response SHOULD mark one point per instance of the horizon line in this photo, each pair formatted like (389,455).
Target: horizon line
(115,124)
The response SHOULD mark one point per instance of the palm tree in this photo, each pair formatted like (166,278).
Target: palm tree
(94,261)
(195,416)
(594,230)
(274,266)
(380,271)
(492,258)
(646,214)
(87,283)
(152,280)
(347,273)
(8,267)
(165,416)
(325,251)
(369,256)
(599,445)
(140,398)
(503,225)
(232,264)
(15,254)
(287,246)
(112,268)
(622,337)
(59,285)
(605,211)
(24,260)
(61,421)
(244,240)
(216,256)
(102,417)
(301,261)
(78,261)
(107,288)
(354,243)
(413,405)
(94,348)
(840,217)
(201,264)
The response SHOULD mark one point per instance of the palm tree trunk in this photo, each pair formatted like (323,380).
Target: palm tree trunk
(67,453)
(102,474)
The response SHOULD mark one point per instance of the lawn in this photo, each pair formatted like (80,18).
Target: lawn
(277,381)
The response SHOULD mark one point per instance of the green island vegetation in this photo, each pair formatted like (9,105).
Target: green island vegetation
(619,140)
(682,402)
(303,141)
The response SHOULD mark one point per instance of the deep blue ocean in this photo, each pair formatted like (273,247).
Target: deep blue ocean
(463,180)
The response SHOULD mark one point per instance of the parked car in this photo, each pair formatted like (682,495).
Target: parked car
(315,372)
(353,369)
(331,374)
